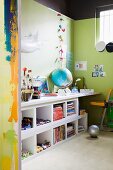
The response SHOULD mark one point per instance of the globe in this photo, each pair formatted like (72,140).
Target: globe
(62,77)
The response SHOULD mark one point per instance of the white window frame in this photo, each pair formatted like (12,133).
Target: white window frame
(106,26)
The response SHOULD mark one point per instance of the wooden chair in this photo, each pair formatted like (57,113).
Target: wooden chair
(102,104)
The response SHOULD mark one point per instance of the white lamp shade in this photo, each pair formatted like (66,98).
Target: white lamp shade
(100,46)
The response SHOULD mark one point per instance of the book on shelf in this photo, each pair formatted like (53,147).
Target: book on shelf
(70,129)
(58,112)
(71,133)
(59,134)
(81,128)
(70,108)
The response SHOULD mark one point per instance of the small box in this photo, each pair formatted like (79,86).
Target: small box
(86,90)
(82,111)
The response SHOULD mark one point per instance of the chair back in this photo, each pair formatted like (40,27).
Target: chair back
(109,94)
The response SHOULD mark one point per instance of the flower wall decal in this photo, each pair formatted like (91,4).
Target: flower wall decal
(60,34)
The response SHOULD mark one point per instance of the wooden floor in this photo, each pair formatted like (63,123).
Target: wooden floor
(80,153)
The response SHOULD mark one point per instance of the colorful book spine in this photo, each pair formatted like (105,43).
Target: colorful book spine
(70,108)
(58,134)
(57,113)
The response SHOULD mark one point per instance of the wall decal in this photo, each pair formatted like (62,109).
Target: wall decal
(98,71)
(30,43)
(61,46)
(8,85)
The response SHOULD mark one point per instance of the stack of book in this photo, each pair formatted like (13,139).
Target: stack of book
(70,108)
(70,130)
(57,112)
(59,134)
(81,128)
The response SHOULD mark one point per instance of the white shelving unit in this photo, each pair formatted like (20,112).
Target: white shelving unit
(59,130)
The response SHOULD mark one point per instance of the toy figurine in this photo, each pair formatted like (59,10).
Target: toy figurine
(27,123)
(25,154)
(39,149)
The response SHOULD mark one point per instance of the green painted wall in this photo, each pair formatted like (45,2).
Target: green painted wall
(84,50)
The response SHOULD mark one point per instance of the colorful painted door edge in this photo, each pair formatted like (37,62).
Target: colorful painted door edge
(8,85)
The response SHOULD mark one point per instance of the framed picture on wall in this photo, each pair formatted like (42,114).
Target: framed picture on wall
(41,84)
(98,71)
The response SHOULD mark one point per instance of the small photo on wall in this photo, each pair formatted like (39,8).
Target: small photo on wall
(81,65)
(98,71)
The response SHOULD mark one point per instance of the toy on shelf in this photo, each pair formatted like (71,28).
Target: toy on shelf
(50,94)
(25,154)
(43,146)
(27,85)
(42,121)
(39,149)
(40,84)
(27,79)
(36,95)
(47,144)
(26,94)
(70,130)
(27,123)
(75,88)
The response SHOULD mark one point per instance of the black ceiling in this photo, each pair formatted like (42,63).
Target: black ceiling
(76,9)
(58,5)
(83,9)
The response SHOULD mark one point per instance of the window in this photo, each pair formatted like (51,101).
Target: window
(106,26)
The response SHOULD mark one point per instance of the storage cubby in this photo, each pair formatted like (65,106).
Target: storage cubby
(59,111)
(43,115)
(55,120)
(28,147)
(59,134)
(28,119)
(71,129)
(71,107)
(82,123)
(44,141)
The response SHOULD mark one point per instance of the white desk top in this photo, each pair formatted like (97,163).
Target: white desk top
(52,99)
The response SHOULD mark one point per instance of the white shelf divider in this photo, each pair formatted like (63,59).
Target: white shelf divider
(29,144)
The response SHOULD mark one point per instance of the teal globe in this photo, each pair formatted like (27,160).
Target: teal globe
(62,77)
